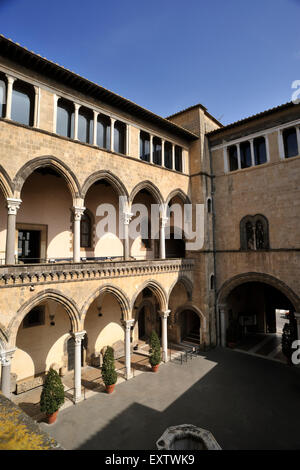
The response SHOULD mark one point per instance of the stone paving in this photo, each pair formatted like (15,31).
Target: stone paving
(246,401)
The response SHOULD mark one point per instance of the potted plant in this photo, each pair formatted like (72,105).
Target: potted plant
(52,396)
(232,334)
(155,355)
(109,374)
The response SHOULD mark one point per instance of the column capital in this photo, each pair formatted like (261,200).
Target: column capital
(78,212)
(78,336)
(127,324)
(127,217)
(112,120)
(13,205)
(10,78)
(96,113)
(77,106)
(6,356)
(164,313)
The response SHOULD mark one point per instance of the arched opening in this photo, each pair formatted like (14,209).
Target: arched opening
(85,125)
(180,296)
(145,310)
(175,240)
(120,137)
(103,325)
(41,341)
(65,118)
(255,312)
(103,131)
(23,101)
(189,327)
(3,92)
(44,218)
(101,222)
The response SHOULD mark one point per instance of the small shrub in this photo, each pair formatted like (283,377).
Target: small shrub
(52,396)
(109,374)
(155,356)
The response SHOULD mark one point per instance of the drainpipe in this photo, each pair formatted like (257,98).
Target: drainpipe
(217,320)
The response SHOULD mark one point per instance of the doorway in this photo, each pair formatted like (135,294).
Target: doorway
(29,242)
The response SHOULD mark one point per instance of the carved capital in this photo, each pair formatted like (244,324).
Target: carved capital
(13,205)
(6,356)
(78,336)
(78,212)
(164,314)
(127,324)
(10,79)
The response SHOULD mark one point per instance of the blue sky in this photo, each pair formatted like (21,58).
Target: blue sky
(237,58)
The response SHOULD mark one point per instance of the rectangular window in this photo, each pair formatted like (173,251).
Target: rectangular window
(260,152)
(178,158)
(233,158)
(290,142)
(144,147)
(245,150)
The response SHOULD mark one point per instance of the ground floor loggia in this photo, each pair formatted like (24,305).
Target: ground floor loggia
(247,402)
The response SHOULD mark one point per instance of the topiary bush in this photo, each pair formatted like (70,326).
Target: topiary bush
(52,396)
(109,374)
(155,356)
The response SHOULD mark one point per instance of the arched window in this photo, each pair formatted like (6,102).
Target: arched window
(145,146)
(290,142)
(86,231)
(178,158)
(209,205)
(22,105)
(103,132)
(2,95)
(65,118)
(168,155)
(212,282)
(245,150)
(119,137)
(85,125)
(254,232)
(260,152)
(233,158)
(156,150)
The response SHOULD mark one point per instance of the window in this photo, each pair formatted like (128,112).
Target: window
(212,282)
(2,95)
(254,233)
(103,132)
(35,317)
(245,151)
(209,205)
(119,137)
(22,106)
(156,150)
(260,152)
(178,158)
(168,155)
(290,142)
(86,231)
(145,146)
(85,125)
(65,118)
(233,158)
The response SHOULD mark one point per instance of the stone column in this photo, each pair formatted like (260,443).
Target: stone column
(239,156)
(162,152)
(173,156)
(12,208)
(78,337)
(5,359)
(78,211)
(126,220)
(127,139)
(76,106)
(151,149)
(127,327)
(222,325)
(10,81)
(280,144)
(252,152)
(36,106)
(164,334)
(112,131)
(162,237)
(95,127)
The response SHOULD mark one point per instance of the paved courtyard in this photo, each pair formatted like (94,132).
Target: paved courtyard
(247,403)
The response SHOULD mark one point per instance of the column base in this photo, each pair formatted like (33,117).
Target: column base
(128,375)
(77,399)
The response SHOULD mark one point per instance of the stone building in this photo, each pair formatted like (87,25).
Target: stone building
(69,146)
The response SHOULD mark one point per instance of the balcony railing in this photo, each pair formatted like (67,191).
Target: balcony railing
(66,271)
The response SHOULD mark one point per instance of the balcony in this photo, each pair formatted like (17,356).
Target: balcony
(66,271)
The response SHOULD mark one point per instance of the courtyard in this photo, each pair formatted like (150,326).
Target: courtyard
(247,402)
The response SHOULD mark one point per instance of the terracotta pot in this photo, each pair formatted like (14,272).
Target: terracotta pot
(52,418)
(110,388)
(155,368)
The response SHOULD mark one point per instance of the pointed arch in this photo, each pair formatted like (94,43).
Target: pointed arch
(187,284)
(6,185)
(108,289)
(49,294)
(116,183)
(147,185)
(191,306)
(178,193)
(42,162)
(157,290)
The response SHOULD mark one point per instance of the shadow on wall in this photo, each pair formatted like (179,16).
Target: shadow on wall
(241,401)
